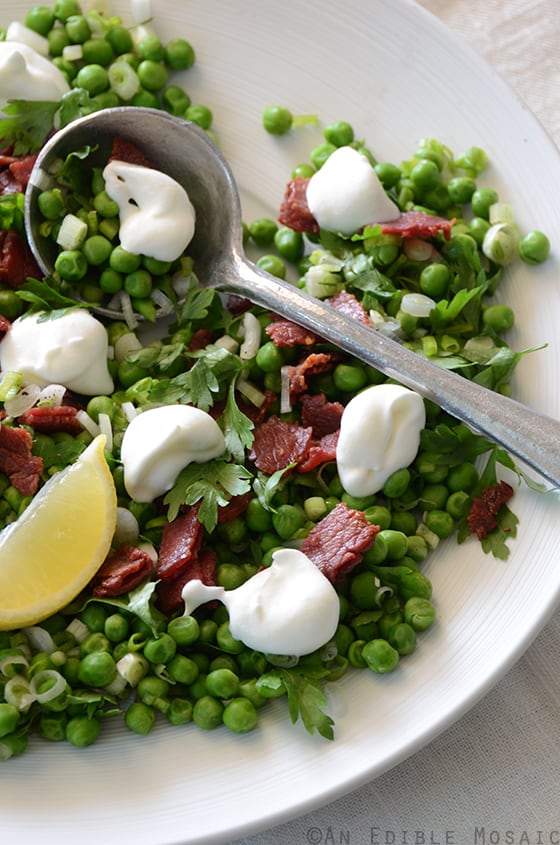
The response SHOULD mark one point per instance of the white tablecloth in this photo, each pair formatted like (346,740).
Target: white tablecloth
(494,777)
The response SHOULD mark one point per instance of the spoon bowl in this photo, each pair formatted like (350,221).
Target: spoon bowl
(186,153)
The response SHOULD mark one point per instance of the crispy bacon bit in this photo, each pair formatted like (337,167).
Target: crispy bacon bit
(238,305)
(123,570)
(180,543)
(286,333)
(338,542)
(294,211)
(16,260)
(320,451)
(22,468)
(236,507)
(484,510)
(278,443)
(202,568)
(323,417)
(48,420)
(200,339)
(15,175)
(347,304)
(312,365)
(5,326)
(418,224)
(124,150)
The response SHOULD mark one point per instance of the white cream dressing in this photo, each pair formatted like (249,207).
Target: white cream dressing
(160,442)
(379,434)
(70,349)
(26,75)
(157,218)
(290,608)
(346,194)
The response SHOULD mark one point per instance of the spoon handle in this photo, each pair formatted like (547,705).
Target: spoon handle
(527,434)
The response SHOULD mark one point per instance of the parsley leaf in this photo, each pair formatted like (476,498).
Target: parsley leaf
(237,427)
(75,103)
(27,125)
(11,211)
(213,371)
(212,484)
(306,700)
(452,445)
(45,296)
(265,486)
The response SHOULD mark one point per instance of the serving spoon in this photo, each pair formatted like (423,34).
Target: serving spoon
(186,153)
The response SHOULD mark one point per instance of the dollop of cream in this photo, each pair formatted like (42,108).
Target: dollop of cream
(69,349)
(26,75)
(160,442)
(346,194)
(379,434)
(157,218)
(290,608)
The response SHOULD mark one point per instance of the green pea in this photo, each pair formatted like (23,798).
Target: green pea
(71,265)
(380,656)
(185,630)
(363,591)
(57,39)
(116,628)
(93,78)
(160,649)
(140,718)
(120,39)
(340,134)
(199,114)
(415,584)
(396,541)
(138,284)
(534,247)
(425,175)
(481,201)
(458,504)
(97,669)
(289,244)
(105,206)
(434,497)
(258,518)
(150,47)
(152,75)
(277,120)
(97,249)
(355,654)
(478,227)
(320,154)
(419,613)
(175,100)
(40,19)
(388,174)
(222,683)
(434,280)
(145,99)
(234,531)
(110,281)
(388,621)
(404,521)
(397,483)
(263,230)
(94,616)
(183,669)
(272,264)
(52,726)
(287,520)
(152,690)
(77,28)
(461,189)
(378,515)
(240,715)
(269,358)
(349,378)
(417,548)
(378,552)
(208,712)
(463,476)
(403,638)
(226,641)
(304,171)
(51,203)
(11,306)
(180,711)
(498,318)
(179,54)
(440,522)
(82,731)
(97,51)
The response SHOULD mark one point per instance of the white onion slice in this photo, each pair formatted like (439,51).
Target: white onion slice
(106,428)
(40,639)
(126,344)
(417,304)
(87,422)
(129,411)
(55,690)
(52,394)
(285,404)
(126,529)
(23,400)
(251,337)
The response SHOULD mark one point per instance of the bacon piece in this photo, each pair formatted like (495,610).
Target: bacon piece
(278,443)
(200,339)
(294,211)
(201,568)
(348,305)
(123,570)
(286,333)
(123,150)
(236,507)
(16,260)
(16,173)
(180,543)
(312,365)
(320,452)
(49,420)
(484,510)
(323,417)
(22,468)
(418,224)
(338,542)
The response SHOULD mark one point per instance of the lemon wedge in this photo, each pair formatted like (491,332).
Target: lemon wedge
(53,550)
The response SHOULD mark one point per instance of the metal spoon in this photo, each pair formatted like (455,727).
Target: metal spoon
(186,153)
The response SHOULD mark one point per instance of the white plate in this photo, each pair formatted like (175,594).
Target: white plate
(397,75)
